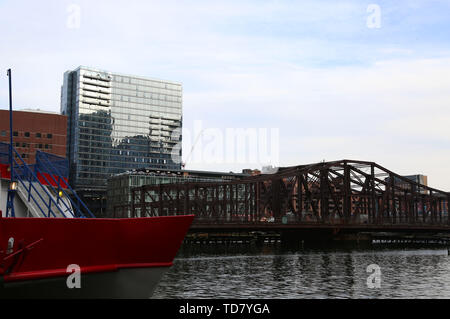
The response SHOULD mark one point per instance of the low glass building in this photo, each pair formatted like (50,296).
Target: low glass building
(120,185)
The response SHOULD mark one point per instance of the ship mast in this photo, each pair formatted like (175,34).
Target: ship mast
(12,186)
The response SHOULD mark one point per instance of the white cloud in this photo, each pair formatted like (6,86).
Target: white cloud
(394,112)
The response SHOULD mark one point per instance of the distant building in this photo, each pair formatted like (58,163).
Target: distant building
(120,185)
(118,122)
(251,172)
(419,179)
(269,169)
(35,130)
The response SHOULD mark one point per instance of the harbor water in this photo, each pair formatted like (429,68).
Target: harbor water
(275,271)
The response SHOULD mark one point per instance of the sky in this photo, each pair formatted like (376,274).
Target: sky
(314,80)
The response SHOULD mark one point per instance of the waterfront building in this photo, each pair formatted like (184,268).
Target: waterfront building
(417,178)
(35,130)
(118,122)
(120,185)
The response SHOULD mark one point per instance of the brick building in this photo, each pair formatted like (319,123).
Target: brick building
(35,130)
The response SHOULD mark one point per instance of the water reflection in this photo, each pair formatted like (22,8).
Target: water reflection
(280,272)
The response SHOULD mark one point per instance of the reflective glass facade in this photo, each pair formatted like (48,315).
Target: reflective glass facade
(119,122)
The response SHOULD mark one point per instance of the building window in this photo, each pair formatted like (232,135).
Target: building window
(3,133)
(38,135)
(49,135)
(46,146)
(40,146)
(27,134)
(15,133)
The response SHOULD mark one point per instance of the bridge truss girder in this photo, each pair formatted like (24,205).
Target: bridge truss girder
(339,192)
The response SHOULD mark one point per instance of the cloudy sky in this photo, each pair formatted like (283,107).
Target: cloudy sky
(366,80)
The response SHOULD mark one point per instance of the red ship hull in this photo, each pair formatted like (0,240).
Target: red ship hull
(117,258)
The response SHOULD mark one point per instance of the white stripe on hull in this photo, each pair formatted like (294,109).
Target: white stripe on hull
(136,283)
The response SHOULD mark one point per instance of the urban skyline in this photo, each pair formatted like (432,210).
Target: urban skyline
(207,149)
(272,64)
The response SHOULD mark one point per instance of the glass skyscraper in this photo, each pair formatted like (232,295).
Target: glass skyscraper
(119,122)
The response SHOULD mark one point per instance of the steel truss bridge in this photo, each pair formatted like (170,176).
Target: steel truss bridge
(346,194)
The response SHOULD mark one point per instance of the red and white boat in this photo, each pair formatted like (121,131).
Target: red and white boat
(117,258)
(48,250)
(45,241)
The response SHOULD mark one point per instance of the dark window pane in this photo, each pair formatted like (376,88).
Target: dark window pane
(27,134)
(49,135)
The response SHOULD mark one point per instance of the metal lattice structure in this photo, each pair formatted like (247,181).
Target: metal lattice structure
(46,177)
(345,192)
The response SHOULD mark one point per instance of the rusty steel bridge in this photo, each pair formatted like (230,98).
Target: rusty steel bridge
(333,197)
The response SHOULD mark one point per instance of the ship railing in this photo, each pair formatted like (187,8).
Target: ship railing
(59,191)
(23,173)
(57,166)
